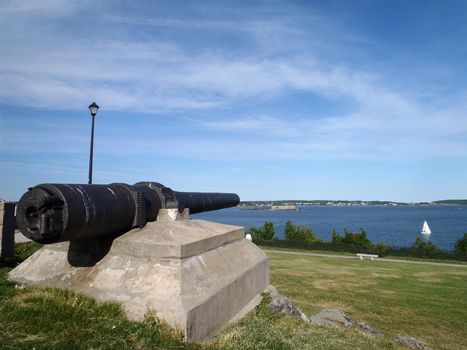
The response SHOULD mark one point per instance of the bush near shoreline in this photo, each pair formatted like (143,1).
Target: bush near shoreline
(303,237)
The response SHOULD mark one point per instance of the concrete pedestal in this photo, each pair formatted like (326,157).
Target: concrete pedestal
(194,274)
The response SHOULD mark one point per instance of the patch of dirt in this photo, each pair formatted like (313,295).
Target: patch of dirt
(22,298)
(336,284)
(385,275)
(458,273)
(335,269)
(28,295)
(428,277)
(326,284)
(32,338)
(386,292)
(325,304)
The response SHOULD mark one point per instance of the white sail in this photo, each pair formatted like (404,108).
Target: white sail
(426,229)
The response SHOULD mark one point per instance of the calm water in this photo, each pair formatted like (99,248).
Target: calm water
(395,225)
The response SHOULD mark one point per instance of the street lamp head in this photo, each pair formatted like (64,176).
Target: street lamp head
(93,108)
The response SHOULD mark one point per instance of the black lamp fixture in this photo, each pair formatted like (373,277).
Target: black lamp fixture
(93,108)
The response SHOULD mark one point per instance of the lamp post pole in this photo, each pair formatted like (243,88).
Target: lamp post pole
(93,108)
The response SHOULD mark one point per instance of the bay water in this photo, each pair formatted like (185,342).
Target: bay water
(397,226)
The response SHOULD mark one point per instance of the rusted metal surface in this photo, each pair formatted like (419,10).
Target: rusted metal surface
(50,213)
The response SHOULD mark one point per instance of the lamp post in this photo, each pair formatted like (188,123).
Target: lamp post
(93,108)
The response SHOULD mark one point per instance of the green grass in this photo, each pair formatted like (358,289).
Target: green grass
(264,330)
(330,252)
(46,318)
(426,302)
(393,252)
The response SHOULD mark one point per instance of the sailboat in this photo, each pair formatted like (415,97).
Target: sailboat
(426,229)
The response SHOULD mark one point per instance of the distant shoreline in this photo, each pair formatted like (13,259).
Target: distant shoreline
(447,202)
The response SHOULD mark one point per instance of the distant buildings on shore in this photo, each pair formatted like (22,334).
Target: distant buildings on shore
(269,207)
(289,204)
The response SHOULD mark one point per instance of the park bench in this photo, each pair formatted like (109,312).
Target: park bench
(367,256)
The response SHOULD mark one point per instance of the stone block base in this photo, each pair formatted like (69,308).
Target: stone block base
(194,274)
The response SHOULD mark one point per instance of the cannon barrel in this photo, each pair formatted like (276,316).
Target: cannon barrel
(50,213)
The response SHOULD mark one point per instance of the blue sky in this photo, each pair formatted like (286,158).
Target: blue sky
(268,99)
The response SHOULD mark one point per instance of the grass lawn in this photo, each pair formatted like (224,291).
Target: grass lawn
(46,318)
(330,252)
(427,302)
(422,301)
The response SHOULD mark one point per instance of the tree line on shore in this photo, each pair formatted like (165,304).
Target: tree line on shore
(302,236)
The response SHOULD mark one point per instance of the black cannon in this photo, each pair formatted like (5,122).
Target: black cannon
(50,213)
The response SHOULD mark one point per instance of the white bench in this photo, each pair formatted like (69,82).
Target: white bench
(367,256)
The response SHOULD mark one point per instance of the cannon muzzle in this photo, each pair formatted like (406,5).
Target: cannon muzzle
(50,213)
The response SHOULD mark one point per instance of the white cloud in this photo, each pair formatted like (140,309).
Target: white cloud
(56,67)
(42,8)
(153,76)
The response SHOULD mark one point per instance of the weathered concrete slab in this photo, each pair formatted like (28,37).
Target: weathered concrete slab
(194,274)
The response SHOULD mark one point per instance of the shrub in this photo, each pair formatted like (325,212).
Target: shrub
(381,248)
(461,246)
(426,249)
(357,239)
(336,239)
(255,232)
(299,233)
(266,232)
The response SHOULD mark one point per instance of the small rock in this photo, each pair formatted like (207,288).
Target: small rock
(368,329)
(281,305)
(326,317)
(412,342)
(332,318)
(20,286)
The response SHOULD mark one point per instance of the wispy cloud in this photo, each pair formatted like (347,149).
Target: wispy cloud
(158,74)
(253,83)
(261,124)
(35,8)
